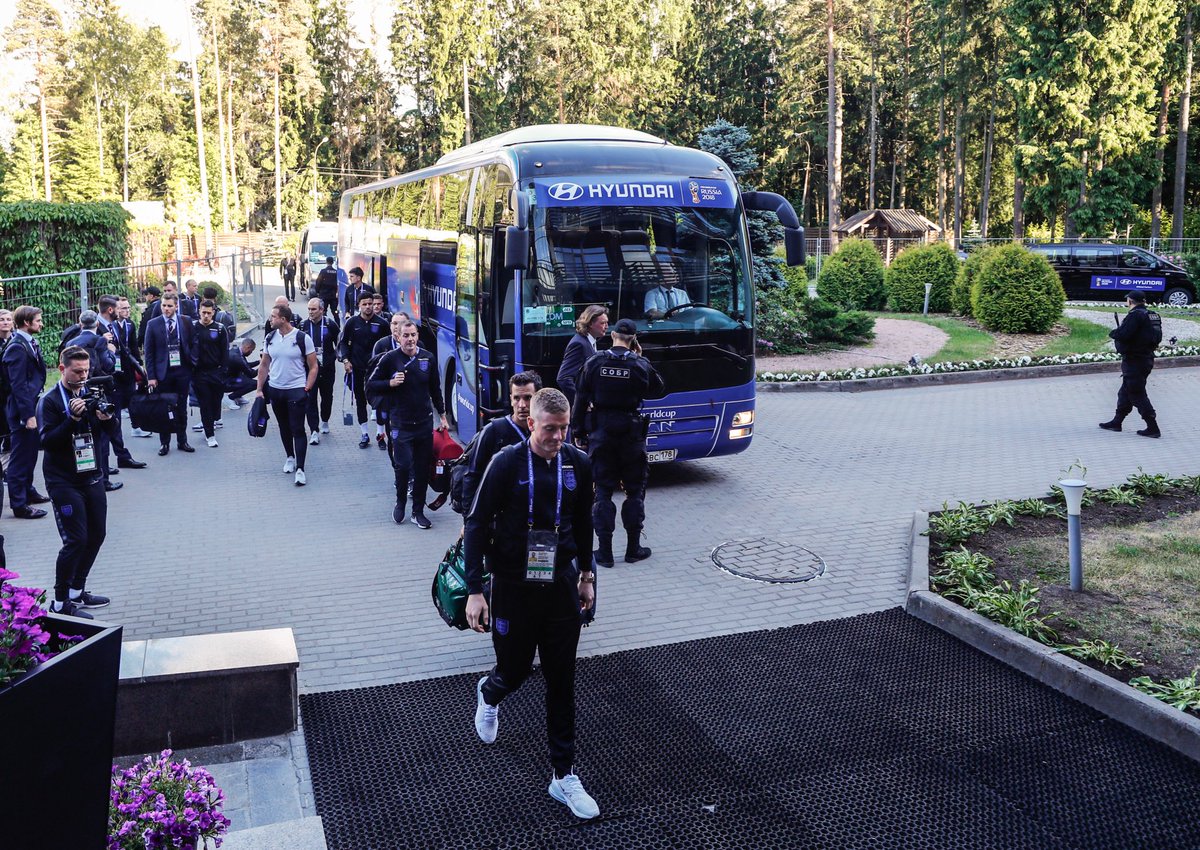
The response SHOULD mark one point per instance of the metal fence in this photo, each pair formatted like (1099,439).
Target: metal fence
(63,295)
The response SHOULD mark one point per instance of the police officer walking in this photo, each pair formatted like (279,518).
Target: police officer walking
(611,389)
(407,383)
(70,427)
(324,333)
(1136,338)
(532,517)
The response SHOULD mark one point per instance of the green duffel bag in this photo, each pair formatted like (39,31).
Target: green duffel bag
(450,587)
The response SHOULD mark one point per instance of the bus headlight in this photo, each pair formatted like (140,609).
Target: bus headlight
(739,433)
(745,417)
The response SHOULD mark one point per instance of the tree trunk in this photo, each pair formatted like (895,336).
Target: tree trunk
(874,123)
(959,166)
(807,175)
(45,139)
(834,140)
(941,128)
(221,131)
(466,103)
(125,157)
(233,184)
(989,136)
(1159,154)
(99,129)
(204,208)
(1018,197)
(278,171)
(1181,144)
(901,157)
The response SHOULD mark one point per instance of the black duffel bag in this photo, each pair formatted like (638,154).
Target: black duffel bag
(256,421)
(155,411)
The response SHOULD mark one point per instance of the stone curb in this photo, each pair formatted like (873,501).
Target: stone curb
(976,377)
(1153,718)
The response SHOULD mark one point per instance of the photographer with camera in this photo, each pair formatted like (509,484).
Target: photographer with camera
(71,418)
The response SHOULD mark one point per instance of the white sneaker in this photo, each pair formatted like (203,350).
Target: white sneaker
(231,405)
(300,479)
(314,439)
(199,426)
(289,466)
(138,432)
(487,717)
(569,790)
(324,427)
(212,442)
(218,424)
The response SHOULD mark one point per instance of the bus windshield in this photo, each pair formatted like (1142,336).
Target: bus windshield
(666,267)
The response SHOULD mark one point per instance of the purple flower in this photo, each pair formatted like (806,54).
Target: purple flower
(160,803)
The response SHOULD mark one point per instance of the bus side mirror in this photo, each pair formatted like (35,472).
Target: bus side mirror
(793,243)
(516,248)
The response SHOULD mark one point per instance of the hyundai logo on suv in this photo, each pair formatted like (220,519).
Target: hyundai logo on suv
(565,191)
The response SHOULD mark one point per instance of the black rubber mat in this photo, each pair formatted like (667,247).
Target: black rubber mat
(872,732)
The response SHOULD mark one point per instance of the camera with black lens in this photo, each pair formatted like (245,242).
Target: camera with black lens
(96,400)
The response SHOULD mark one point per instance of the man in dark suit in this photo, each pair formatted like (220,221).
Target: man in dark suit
(355,289)
(170,358)
(26,372)
(591,326)
(189,302)
(132,369)
(151,294)
(123,379)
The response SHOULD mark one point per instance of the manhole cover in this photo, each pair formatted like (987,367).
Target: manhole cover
(763,559)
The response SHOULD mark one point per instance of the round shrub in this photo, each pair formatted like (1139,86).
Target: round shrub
(1016,291)
(825,324)
(853,277)
(915,267)
(779,320)
(968,270)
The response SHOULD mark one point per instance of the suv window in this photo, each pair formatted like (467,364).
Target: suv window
(1095,255)
(1133,258)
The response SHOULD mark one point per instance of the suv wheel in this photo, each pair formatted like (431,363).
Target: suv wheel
(1177,297)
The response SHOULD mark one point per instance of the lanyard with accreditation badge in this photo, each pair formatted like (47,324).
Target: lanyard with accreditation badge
(541,545)
(85,449)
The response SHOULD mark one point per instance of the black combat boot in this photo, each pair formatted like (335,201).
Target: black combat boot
(1151,429)
(1113,424)
(634,551)
(604,555)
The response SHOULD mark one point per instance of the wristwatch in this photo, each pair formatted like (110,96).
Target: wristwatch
(587,577)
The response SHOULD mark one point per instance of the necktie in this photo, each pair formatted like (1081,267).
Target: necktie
(37,349)
(171,327)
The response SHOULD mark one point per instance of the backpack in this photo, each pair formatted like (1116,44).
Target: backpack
(446,451)
(1152,335)
(69,334)
(457,470)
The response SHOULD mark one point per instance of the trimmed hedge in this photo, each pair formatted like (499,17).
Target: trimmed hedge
(1017,291)
(968,270)
(912,269)
(852,277)
(789,322)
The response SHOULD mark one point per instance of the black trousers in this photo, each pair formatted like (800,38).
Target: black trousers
(124,392)
(209,387)
(239,386)
(114,441)
(289,286)
(331,308)
(82,517)
(358,385)
(324,387)
(527,616)
(289,407)
(180,383)
(25,443)
(1134,372)
(617,449)
(411,450)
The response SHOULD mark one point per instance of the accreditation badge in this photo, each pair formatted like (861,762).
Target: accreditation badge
(85,453)
(173,356)
(320,356)
(541,548)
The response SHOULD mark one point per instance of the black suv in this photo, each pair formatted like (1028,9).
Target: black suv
(1092,272)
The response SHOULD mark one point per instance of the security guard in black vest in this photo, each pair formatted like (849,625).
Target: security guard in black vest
(407,382)
(1135,340)
(611,388)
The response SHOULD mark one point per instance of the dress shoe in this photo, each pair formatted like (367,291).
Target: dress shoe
(131,464)
(163,450)
(36,498)
(185,447)
(28,513)
(110,486)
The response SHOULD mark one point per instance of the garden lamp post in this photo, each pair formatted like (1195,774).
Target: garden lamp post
(1073,493)
(314,198)
(928,290)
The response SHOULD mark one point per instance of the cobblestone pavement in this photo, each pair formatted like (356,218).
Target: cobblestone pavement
(221,540)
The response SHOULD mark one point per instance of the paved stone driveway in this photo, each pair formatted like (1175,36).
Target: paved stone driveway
(221,540)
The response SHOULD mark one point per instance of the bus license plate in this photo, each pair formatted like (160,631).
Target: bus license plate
(661,456)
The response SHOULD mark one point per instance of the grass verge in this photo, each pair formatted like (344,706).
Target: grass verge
(1085,336)
(965,342)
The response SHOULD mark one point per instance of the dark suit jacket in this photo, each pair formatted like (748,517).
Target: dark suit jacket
(153,311)
(157,362)
(579,349)
(188,307)
(350,298)
(237,366)
(103,360)
(128,349)
(26,371)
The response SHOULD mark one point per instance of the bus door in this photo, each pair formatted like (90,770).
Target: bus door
(437,267)
(466,340)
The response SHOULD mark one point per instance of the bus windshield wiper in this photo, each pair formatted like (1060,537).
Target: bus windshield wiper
(725,352)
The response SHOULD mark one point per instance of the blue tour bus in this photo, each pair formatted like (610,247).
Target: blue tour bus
(494,250)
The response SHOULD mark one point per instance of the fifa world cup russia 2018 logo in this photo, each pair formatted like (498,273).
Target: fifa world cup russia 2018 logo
(694,188)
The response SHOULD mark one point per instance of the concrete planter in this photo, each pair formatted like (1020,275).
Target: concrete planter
(1153,718)
(58,743)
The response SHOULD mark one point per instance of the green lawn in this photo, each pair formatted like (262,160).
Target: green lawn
(965,342)
(1085,336)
